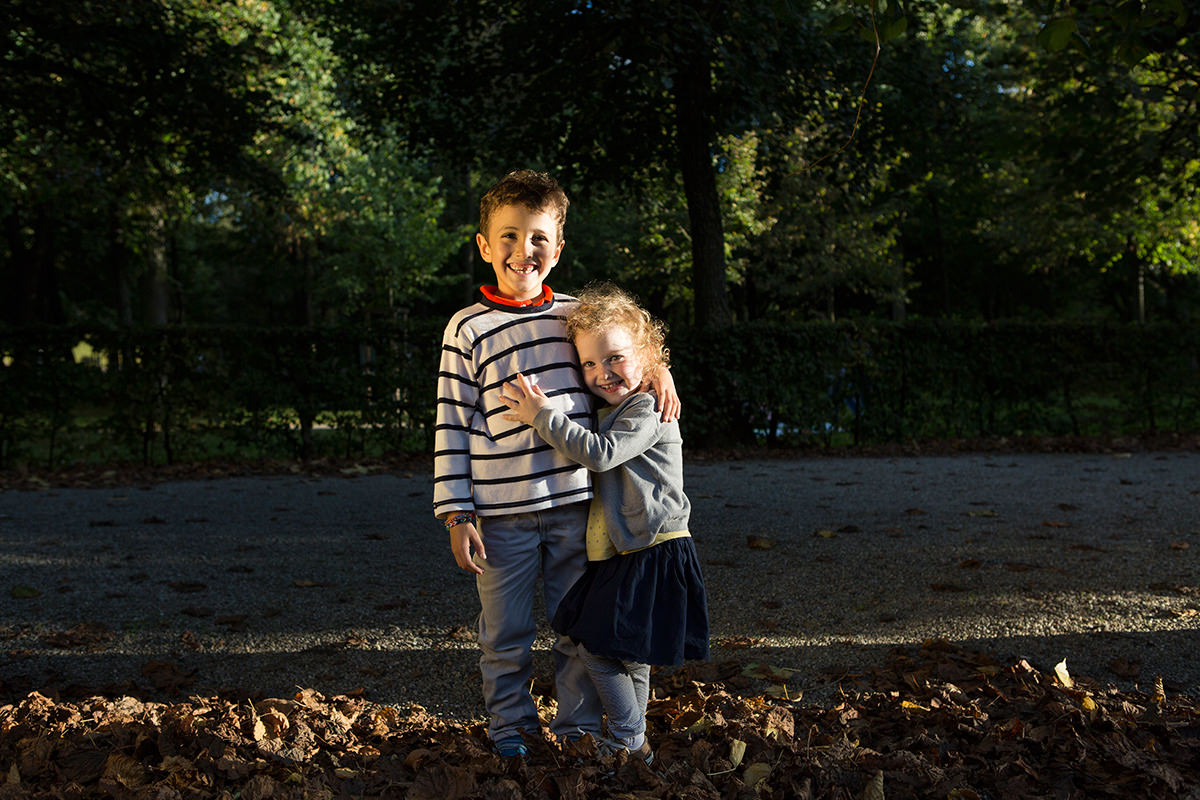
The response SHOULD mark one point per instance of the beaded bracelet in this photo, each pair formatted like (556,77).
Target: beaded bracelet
(459,519)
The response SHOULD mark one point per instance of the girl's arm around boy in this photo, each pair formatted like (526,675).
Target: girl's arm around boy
(635,426)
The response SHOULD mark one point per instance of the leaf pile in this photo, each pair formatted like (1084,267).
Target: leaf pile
(937,722)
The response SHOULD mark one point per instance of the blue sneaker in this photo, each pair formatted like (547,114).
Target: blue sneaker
(512,747)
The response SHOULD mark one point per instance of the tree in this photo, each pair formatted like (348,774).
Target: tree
(605,91)
(113,113)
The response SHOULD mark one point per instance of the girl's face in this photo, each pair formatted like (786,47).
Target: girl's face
(613,367)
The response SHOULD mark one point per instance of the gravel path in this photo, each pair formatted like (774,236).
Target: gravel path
(822,565)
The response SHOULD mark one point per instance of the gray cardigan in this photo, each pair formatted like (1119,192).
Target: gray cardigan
(637,465)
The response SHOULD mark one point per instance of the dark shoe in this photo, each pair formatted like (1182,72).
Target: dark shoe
(512,747)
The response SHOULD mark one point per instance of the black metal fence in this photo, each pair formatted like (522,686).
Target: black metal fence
(182,394)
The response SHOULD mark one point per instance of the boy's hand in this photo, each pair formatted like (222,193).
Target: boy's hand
(668,399)
(524,398)
(463,539)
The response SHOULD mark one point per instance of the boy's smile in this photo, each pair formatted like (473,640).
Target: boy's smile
(522,247)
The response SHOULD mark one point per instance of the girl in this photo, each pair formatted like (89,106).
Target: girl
(641,600)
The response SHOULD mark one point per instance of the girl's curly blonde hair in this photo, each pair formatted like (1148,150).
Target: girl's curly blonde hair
(603,306)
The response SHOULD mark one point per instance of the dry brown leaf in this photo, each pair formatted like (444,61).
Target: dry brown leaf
(756,774)
(737,749)
(125,770)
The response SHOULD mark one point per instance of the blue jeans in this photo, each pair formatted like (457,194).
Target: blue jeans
(519,547)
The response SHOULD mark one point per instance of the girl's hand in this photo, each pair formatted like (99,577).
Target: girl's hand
(524,398)
(668,399)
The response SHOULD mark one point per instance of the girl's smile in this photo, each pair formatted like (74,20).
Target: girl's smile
(612,365)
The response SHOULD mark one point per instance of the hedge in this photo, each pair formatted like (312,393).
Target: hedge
(181,394)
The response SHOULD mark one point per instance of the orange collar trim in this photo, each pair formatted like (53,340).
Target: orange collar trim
(493,293)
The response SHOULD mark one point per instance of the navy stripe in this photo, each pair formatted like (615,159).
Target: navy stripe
(526,477)
(470,317)
(452,376)
(582,494)
(466,476)
(512,454)
(516,323)
(516,348)
(536,371)
(454,501)
(447,348)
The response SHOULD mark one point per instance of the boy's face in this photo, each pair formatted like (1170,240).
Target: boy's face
(613,367)
(522,247)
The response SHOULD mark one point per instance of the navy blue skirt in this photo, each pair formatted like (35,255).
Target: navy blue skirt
(648,606)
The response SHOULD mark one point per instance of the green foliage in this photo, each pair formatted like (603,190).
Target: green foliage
(184,394)
(888,382)
(302,162)
(180,394)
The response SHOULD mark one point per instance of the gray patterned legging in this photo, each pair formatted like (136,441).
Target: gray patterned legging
(624,689)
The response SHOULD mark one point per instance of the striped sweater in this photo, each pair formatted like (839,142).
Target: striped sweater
(482,462)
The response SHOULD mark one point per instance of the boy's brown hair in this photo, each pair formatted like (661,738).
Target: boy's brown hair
(536,191)
(603,306)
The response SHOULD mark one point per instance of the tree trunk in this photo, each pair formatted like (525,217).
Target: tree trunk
(695,139)
(31,285)
(156,282)
(119,259)
(470,252)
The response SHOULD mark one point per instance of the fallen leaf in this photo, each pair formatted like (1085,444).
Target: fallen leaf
(768,673)
(737,749)
(756,774)
(125,770)
(759,542)
(1064,677)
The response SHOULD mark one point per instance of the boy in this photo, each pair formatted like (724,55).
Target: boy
(502,492)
